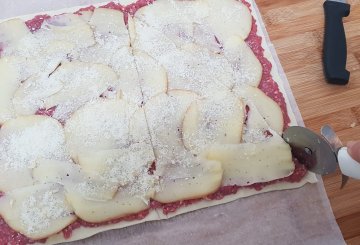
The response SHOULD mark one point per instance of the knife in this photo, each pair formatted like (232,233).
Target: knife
(321,154)
(335,51)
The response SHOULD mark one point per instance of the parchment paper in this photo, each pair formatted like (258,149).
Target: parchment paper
(299,216)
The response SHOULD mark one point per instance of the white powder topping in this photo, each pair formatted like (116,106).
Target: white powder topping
(193,68)
(143,184)
(254,135)
(125,167)
(214,124)
(19,149)
(41,210)
(165,114)
(102,51)
(102,124)
(96,190)
(81,82)
(30,96)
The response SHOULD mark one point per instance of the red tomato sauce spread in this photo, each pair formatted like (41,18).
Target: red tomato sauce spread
(267,85)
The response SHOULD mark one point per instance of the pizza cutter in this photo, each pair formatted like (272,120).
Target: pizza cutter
(321,154)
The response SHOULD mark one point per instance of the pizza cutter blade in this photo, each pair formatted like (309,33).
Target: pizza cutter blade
(336,144)
(312,150)
(322,154)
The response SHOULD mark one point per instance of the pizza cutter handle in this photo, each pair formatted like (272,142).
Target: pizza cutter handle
(348,165)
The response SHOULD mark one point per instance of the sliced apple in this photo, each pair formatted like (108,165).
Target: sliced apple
(45,134)
(213,120)
(164,114)
(124,203)
(81,82)
(37,211)
(99,125)
(152,75)
(120,166)
(179,182)
(248,163)
(267,107)
(247,68)
(11,31)
(229,18)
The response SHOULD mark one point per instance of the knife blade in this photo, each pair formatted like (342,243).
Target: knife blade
(335,50)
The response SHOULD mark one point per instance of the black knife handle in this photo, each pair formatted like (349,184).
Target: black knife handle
(335,51)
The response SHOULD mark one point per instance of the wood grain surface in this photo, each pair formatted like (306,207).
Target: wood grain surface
(296,29)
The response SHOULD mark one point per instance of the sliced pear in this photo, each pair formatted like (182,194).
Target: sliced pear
(11,179)
(94,189)
(164,114)
(102,52)
(179,33)
(213,120)
(195,68)
(204,36)
(99,125)
(86,15)
(247,68)
(11,31)
(53,171)
(229,18)
(81,82)
(152,75)
(124,203)
(124,64)
(109,22)
(72,177)
(180,183)
(165,12)
(68,27)
(248,163)
(37,211)
(45,134)
(29,97)
(256,126)
(139,131)
(267,107)
(10,80)
(150,40)
(120,166)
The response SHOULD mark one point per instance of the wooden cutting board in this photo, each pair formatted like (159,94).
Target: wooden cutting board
(296,29)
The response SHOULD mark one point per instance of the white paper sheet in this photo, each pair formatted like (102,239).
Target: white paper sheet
(301,216)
